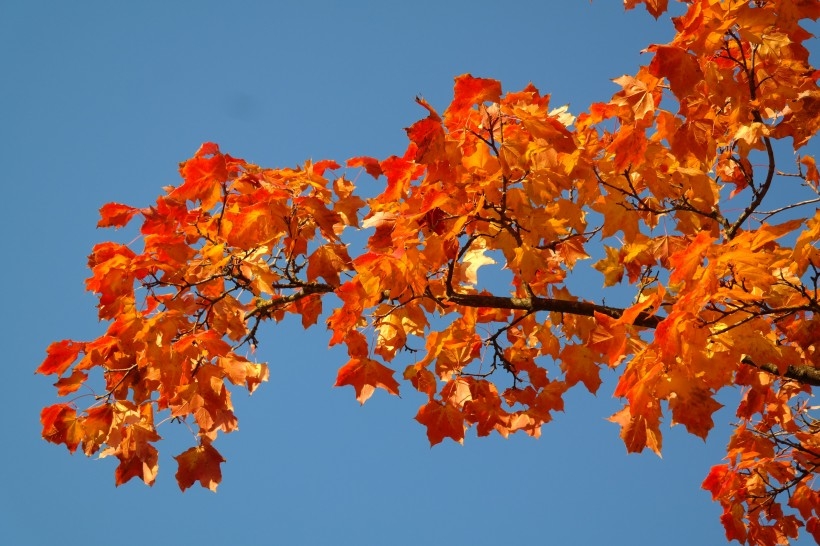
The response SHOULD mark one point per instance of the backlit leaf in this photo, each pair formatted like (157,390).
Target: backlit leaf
(365,375)
(199,464)
(442,421)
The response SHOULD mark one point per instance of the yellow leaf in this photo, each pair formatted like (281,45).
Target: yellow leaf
(475,258)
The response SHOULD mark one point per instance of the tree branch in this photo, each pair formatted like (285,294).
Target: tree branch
(546,304)
(263,306)
(801,374)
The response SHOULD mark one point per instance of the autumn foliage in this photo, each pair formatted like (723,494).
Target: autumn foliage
(689,192)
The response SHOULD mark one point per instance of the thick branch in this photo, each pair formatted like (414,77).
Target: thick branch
(802,374)
(545,304)
(263,306)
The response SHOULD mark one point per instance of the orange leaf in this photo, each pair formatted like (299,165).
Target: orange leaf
(96,427)
(428,134)
(327,262)
(364,375)
(116,215)
(628,147)
(678,66)
(813,527)
(61,354)
(716,480)
(617,216)
(203,174)
(686,261)
(442,421)
(470,91)
(138,457)
(609,338)
(309,309)
(656,8)
(320,167)
(812,175)
(637,432)
(143,465)
(199,464)
(240,371)
(371,165)
(422,379)
(691,405)
(579,364)
(635,95)
(67,385)
(61,426)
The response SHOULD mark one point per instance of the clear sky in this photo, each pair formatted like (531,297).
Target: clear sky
(100,101)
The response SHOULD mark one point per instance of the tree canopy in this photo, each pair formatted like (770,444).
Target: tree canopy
(466,279)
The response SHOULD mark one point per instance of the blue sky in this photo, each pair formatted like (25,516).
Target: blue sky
(102,100)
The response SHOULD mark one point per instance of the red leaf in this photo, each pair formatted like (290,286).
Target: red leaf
(715,481)
(370,165)
(320,167)
(470,91)
(813,527)
(116,215)
(61,426)
(204,173)
(60,356)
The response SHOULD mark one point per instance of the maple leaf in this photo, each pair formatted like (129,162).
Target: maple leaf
(365,375)
(610,338)
(97,426)
(371,165)
(611,266)
(428,134)
(812,174)
(116,215)
(203,175)
(61,426)
(637,432)
(61,354)
(142,463)
(636,96)
(475,258)
(692,405)
(422,379)
(199,464)
(656,8)
(442,420)
(679,66)
(470,91)
(686,261)
(579,364)
(67,385)
(327,262)
(241,371)
(801,120)
(617,217)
